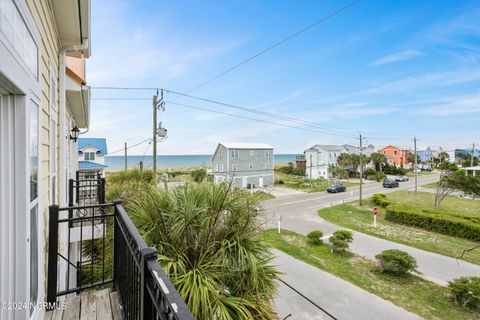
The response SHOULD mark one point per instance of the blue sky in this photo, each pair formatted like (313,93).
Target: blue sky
(388,69)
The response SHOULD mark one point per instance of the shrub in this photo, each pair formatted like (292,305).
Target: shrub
(380,176)
(286,169)
(457,226)
(396,262)
(340,241)
(313,238)
(380,199)
(298,172)
(279,182)
(369,172)
(198,175)
(465,292)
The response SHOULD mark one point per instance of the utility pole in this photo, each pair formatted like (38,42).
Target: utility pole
(157,130)
(415,161)
(126,162)
(471,158)
(361,168)
(154,138)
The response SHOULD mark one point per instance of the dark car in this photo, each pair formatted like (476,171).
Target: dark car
(401,179)
(336,188)
(387,183)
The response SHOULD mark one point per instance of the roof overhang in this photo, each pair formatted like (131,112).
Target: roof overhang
(78,99)
(88,146)
(73,22)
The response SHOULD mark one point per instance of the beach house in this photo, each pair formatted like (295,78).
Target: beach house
(91,154)
(246,165)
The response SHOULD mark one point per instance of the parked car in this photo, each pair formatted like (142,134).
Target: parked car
(388,183)
(401,179)
(336,188)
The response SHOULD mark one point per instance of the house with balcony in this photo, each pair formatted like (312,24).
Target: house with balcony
(44,107)
(91,154)
(396,156)
(246,165)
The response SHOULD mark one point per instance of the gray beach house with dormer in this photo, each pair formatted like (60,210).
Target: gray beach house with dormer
(247,165)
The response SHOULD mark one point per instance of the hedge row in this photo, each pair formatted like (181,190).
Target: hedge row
(434,221)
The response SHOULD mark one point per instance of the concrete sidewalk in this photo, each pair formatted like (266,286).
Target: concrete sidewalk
(340,298)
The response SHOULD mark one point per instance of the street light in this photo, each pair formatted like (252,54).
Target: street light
(75,133)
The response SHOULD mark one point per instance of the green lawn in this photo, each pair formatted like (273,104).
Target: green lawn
(353,217)
(432,185)
(414,294)
(303,184)
(451,204)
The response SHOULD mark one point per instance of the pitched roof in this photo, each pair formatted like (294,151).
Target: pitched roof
(98,143)
(90,165)
(245,145)
(328,147)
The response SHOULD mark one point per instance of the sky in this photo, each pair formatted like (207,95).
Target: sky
(390,70)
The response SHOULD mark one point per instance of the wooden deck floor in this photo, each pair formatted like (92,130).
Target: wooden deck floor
(90,305)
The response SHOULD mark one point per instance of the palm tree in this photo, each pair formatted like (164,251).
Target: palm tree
(378,160)
(443,156)
(207,239)
(344,160)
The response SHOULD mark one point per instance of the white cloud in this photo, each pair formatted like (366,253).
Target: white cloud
(396,57)
(456,107)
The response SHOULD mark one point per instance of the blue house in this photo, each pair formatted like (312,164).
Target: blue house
(91,154)
(425,155)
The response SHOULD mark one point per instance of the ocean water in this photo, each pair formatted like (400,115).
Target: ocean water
(171,162)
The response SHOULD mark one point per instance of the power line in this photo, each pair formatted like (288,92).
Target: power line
(256,119)
(263,113)
(123,149)
(123,88)
(276,44)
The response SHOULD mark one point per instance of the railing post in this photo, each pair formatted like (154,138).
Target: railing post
(116,234)
(71,183)
(146,305)
(70,192)
(101,192)
(52,256)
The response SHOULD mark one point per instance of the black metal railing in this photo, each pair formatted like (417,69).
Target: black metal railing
(88,188)
(120,258)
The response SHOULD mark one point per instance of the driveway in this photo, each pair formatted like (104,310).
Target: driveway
(299,214)
(339,298)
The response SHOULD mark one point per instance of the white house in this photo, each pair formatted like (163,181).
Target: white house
(91,154)
(43,96)
(319,157)
(247,165)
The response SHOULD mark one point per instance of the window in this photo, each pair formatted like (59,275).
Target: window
(221,153)
(216,167)
(53,135)
(89,156)
(395,152)
(234,154)
(267,165)
(250,166)
(268,153)
(221,168)
(15,30)
(33,238)
(234,167)
(252,153)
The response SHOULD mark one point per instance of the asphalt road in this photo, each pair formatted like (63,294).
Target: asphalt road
(339,298)
(299,214)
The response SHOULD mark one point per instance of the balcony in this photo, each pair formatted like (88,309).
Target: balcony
(97,246)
